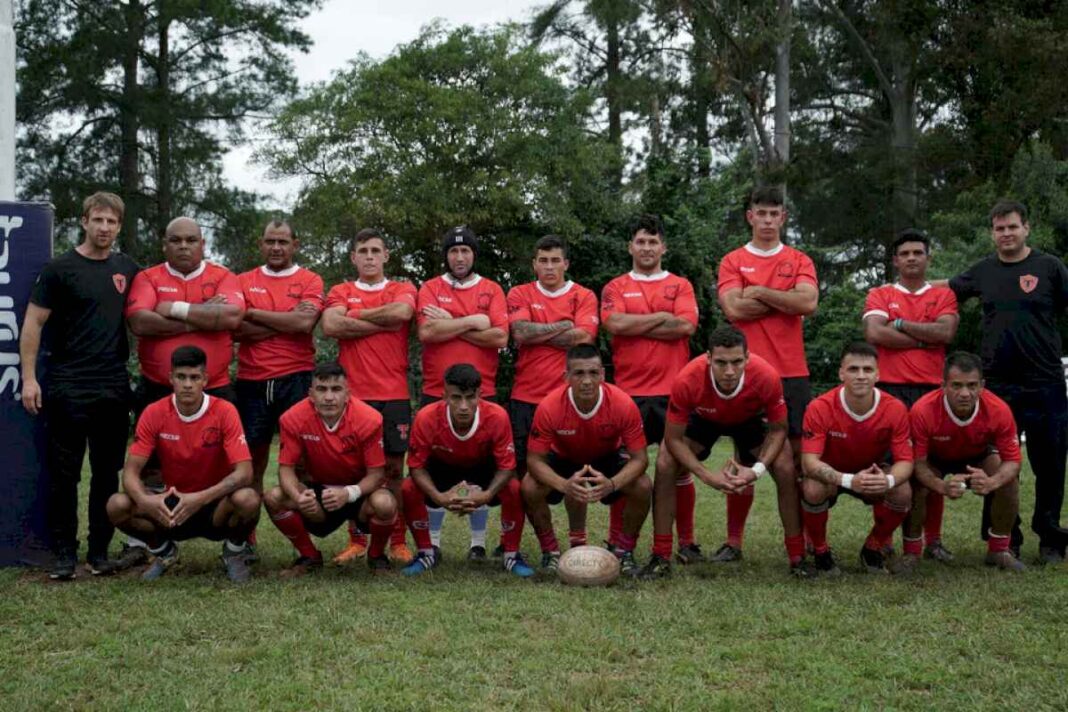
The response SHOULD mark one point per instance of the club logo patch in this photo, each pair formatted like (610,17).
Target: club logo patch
(295,290)
(208,290)
(785,269)
(484,301)
(211,437)
(1028,282)
(119,280)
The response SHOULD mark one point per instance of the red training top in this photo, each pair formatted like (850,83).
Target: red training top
(582,438)
(759,394)
(433,438)
(940,435)
(332,456)
(925,306)
(281,354)
(849,442)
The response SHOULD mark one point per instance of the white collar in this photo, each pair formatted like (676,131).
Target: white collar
(953,416)
(859,418)
(195,416)
(899,287)
(451,281)
(558,293)
(586,416)
(721,394)
(474,425)
(639,277)
(333,429)
(376,287)
(753,249)
(287,272)
(187,277)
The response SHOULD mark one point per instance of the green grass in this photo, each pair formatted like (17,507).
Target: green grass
(467,638)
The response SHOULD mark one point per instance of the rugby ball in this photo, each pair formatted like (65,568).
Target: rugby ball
(588,566)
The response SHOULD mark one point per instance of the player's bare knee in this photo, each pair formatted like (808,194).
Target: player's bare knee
(246,502)
(813,491)
(900,497)
(274,500)
(532,490)
(119,508)
(641,488)
(383,505)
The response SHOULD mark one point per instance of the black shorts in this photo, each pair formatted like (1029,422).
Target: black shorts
(262,403)
(333,520)
(797,392)
(908,393)
(521,414)
(445,477)
(609,466)
(396,424)
(747,437)
(654,413)
(426,399)
(199,526)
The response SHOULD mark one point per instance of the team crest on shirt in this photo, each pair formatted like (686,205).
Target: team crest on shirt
(484,300)
(119,280)
(209,290)
(294,290)
(785,269)
(211,437)
(1028,282)
(606,430)
(671,292)
(350,442)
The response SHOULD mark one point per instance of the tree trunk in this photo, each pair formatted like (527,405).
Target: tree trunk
(613,76)
(902,146)
(129,170)
(164,188)
(781,157)
(699,89)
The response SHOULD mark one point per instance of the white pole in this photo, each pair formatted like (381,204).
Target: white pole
(7,100)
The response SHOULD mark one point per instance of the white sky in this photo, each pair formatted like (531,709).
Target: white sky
(343,28)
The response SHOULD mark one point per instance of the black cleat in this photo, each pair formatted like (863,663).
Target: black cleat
(873,561)
(236,563)
(628,565)
(498,553)
(726,554)
(550,562)
(1050,556)
(303,566)
(1005,561)
(100,565)
(826,565)
(936,551)
(657,568)
(131,556)
(803,569)
(64,566)
(476,554)
(379,565)
(689,554)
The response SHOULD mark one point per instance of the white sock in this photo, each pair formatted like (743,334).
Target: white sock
(230,546)
(437,518)
(135,543)
(478,520)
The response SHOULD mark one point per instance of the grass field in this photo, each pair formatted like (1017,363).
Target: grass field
(742,636)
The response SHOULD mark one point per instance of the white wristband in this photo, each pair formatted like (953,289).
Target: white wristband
(890,482)
(354,492)
(760,469)
(847,481)
(180,310)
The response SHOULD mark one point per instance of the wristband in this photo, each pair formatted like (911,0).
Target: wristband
(180,310)
(898,322)
(759,469)
(890,482)
(354,492)
(847,481)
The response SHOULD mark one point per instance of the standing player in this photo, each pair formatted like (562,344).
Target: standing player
(965,437)
(462,459)
(207,473)
(847,432)
(371,318)
(462,318)
(731,393)
(651,314)
(86,399)
(766,288)
(338,439)
(910,323)
(548,316)
(587,445)
(1022,292)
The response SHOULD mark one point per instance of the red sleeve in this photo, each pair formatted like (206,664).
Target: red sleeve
(586,314)
(806,271)
(290,447)
(405,293)
(947,304)
(142,294)
(498,311)
(425,298)
(814,429)
(681,404)
(503,446)
(686,302)
(314,291)
(337,297)
(875,303)
(234,436)
(419,442)
(541,432)
(230,287)
(921,433)
(518,307)
(729,276)
(633,432)
(901,444)
(144,441)
(1005,438)
(774,401)
(611,301)
(373,453)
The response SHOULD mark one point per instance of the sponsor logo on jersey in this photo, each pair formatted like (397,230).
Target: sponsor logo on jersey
(836,434)
(167,289)
(941,438)
(309,436)
(743,268)
(170,436)
(446,300)
(565,432)
(633,295)
(257,290)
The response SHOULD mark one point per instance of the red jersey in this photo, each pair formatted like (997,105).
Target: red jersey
(645,366)
(197,451)
(163,283)
(939,435)
(925,306)
(540,367)
(332,456)
(477,296)
(433,438)
(759,394)
(376,365)
(776,336)
(281,354)
(613,423)
(849,442)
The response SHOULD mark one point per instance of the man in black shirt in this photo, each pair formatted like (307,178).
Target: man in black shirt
(1022,291)
(86,394)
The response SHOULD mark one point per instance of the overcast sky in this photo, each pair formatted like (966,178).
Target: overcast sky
(343,28)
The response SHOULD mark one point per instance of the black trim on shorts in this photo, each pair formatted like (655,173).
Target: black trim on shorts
(521,414)
(747,436)
(262,403)
(797,392)
(653,410)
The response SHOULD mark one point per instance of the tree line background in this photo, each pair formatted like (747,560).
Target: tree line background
(875,116)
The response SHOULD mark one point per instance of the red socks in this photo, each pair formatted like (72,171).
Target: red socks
(998,543)
(615,520)
(662,545)
(414,504)
(512,516)
(912,547)
(380,533)
(815,524)
(547,540)
(356,536)
(292,528)
(685,504)
(576,537)
(738,506)
(396,537)
(932,522)
(886,521)
(795,548)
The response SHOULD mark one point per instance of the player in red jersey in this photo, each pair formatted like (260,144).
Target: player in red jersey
(766,288)
(206,468)
(338,440)
(847,432)
(462,318)
(726,392)
(371,318)
(651,314)
(587,445)
(910,322)
(462,458)
(547,317)
(965,437)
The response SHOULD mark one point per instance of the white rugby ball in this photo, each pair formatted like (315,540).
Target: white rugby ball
(588,566)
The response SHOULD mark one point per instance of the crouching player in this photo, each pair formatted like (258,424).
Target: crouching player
(338,440)
(576,451)
(461,458)
(846,432)
(206,468)
(965,437)
(727,392)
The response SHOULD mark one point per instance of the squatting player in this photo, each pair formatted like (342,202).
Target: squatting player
(206,469)
(461,459)
(338,440)
(847,432)
(587,444)
(964,437)
(726,392)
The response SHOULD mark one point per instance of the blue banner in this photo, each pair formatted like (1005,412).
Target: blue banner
(25,248)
